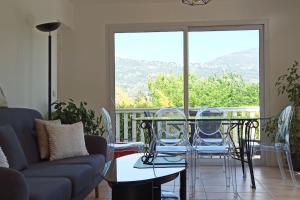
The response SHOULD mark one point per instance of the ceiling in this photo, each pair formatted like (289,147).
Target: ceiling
(133,1)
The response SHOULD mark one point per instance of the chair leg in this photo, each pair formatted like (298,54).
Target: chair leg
(290,164)
(227,170)
(280,163)
(192,175)
(224,165)
(233,177)
(97,192)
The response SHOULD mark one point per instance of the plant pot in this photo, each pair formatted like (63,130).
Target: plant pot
(296,161)
(297,112)
(297,118)
(296,156)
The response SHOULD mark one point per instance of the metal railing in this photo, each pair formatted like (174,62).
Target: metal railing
(130,130)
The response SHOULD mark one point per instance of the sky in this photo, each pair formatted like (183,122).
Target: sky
(204,46)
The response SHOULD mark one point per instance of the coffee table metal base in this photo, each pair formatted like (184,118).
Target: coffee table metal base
(140,191)
(146,191)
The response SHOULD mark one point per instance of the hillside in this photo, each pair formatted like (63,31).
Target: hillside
(131,75)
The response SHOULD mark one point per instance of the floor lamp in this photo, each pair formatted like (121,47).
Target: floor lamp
(49,27)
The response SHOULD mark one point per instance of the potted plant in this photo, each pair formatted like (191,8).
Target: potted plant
(69,113)
(289,83)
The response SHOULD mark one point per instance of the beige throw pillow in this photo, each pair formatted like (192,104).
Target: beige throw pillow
(66,140)
(3,159)
(43,136)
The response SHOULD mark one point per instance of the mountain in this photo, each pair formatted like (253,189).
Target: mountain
(132,75)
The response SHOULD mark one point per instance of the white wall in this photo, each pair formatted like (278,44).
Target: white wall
(83,74)
(24,50)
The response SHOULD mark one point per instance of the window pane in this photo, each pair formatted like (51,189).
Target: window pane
(149,69)
(224,68)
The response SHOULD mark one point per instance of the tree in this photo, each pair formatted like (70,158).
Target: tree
(166,90)
(226,90)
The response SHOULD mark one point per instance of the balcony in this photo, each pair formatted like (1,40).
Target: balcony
(129,130)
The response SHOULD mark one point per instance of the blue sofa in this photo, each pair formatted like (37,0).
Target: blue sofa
(71,178)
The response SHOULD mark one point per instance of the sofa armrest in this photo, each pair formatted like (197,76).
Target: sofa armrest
(12,185)
(95,144)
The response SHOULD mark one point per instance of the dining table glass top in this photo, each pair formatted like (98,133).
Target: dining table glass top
(200,118)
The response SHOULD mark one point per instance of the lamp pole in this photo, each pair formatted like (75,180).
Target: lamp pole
(49,27)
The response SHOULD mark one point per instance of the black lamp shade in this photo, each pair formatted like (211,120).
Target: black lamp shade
(48,27)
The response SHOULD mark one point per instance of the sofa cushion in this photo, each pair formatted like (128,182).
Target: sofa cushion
(79,174)
(12,148)
(66,140)
(49,188)
(96,161)
(22,121)
(43,136)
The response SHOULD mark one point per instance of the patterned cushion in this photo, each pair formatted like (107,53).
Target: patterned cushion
(3,102)
(3,159)
(66,140)
(43,136)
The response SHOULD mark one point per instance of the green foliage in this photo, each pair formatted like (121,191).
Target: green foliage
(224,90)
(166,90)
(270,128)
(294,138)
(69,113)
(289,83)
(228,89)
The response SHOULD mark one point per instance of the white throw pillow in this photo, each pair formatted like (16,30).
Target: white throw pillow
(3,102)
(3,159)
(66,140)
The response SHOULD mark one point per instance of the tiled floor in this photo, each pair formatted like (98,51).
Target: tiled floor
(211,185)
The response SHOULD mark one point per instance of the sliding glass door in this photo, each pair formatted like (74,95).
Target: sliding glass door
(189,68)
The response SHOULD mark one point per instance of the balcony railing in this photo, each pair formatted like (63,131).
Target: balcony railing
(130,130)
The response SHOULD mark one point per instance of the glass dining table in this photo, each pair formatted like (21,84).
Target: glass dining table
(242,148)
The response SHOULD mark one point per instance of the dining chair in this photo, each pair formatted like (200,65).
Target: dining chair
(209,131)
(282,142)
(113,146)
(172,139)
(211,139)
(110,141)
(172,131)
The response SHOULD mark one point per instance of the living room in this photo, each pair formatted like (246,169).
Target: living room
(83,51)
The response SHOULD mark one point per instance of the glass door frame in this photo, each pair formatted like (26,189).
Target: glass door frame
(187,27)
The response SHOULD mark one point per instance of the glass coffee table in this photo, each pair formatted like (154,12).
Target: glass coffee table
(129,182)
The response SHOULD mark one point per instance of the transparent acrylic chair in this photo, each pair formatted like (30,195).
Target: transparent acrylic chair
(211,138)
(282,143)
(209,131)
(139,146)
(172,139)
(173,130)
(110,140)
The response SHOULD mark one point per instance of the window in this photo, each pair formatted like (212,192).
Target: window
(222,68)
(187,67)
